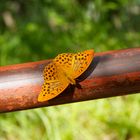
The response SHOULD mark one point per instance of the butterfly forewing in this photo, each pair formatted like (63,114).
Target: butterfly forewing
(64,62)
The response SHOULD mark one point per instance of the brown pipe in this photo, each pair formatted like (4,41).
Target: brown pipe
(111,74)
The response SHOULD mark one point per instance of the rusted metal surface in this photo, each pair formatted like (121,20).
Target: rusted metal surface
(111,74)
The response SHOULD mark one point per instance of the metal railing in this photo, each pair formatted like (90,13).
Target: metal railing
(112,73)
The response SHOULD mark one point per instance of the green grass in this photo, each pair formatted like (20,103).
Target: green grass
(114,118)
(44,29)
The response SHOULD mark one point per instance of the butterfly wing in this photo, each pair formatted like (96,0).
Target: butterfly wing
(64,61)
(53,85)
(81,62)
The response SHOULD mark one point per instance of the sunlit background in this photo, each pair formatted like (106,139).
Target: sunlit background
(34,30)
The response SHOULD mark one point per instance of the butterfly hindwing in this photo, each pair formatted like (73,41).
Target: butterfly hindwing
(52,85)
(81,62)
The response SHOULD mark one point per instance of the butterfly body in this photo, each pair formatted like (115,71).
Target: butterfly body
(65,76)
(63,70)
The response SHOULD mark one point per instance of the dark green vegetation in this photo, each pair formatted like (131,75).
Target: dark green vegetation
(40,29)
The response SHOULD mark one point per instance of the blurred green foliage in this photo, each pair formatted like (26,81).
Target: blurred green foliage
(40,29)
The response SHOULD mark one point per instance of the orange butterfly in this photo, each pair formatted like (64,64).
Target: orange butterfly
(64,69)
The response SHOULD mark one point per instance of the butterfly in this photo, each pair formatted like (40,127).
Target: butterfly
(62,71)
